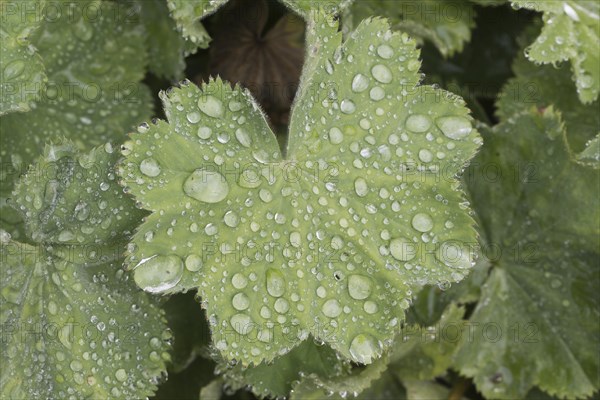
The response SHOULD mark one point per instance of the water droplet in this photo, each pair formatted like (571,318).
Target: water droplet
(360,83)
(370,307)
(193,117)
(206,186)
(76,365)
(377,93)
(453,255)
(240,301)
(336,136)
(231,219)
(363,349)
(13,69)
(243,137)
(331,308)
(454,127)
(121,375)
(422,222)
(275,283)
(211,106)
(265,195)
(418,123)
(347,106)
(241,323)
(385,51)
(150,167)
(402,249)
(359,287)
(235,106)
(193,262)
(425,155)
(159,273)
(204,132)
(281,305)
(295,239)
(381,73)
(82,30)
(239,281)
(361,187)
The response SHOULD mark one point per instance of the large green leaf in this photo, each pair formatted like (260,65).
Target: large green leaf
(94,94)
(22,74)
(536,321)
(328,241)
(571,32)
(447,24)
(73,323)
(187,15)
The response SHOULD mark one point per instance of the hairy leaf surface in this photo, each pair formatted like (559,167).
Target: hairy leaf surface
(328,241)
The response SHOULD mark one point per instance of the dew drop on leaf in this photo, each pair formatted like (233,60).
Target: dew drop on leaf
(418,123)
(150,167)
(206,186)
(422,222)
(359,287)
(158,274)
(381,73)
(454,127)
(211,106)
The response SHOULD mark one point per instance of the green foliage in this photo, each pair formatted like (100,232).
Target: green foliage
(342,260)
(180,169)
(447,24)
(540,282)
(73,323)
(571,32)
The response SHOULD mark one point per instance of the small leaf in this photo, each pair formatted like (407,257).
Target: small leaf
(187,15)
(447,24)
(541,292)
(304,7)
(21,67)
(571,32)
(325,241)
(276,379)
(546,86)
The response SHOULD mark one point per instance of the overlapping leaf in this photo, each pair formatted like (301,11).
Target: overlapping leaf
(535,323)
(328,240)
(74,324)
(22,74)
(571,32)
(546,86)
(95,58)
(447,24)
(187,15)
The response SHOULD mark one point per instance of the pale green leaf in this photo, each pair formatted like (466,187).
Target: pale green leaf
(571,32)
(320,242)
(212,391)
(541,292)
(22,74)
(446,24)
(590,156)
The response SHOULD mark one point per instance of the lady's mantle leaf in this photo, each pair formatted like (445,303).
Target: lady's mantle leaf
(329,241)
(74,325)
(21,69)
(571,32)
(536,323)
(187,15)
(446,24)
(94,63)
